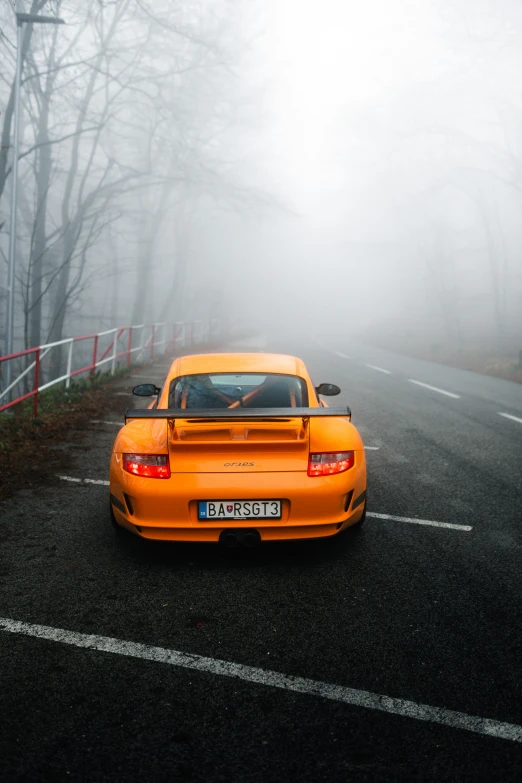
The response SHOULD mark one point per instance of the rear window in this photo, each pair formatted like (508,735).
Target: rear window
(247,390)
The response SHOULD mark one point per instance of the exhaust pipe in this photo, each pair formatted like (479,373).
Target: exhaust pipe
(230,540)
(233,538)
(250,540)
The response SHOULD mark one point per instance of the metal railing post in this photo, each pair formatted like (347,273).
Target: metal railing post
(142,331)
(114,352)
(69,364)
(94,354)
(182,333)
(36,382)
(129,347)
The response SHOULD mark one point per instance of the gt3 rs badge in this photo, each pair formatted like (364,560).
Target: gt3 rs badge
(238,464)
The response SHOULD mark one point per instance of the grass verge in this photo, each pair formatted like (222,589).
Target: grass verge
(28,453)
(485,359)
(495,363)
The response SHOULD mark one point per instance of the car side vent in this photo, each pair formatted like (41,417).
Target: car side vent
(128,501)
(347,502)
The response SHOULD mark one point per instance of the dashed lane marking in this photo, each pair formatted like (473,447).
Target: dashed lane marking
(105,421)
(268,678)
(75,480)
(435,388)
(414,521)
(330,350)
(510,416)
(379,369)
(372,448)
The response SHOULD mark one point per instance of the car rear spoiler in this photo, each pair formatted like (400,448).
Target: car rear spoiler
(233,414)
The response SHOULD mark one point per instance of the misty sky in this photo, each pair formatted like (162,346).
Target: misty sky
(364,162)
(390,130)
(333,60)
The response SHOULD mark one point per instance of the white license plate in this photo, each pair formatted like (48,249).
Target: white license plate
(239,509)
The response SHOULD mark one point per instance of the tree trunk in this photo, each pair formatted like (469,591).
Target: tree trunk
(60,302)
(143,280)
(173,304)
(114,246)
(144,277)
(37,259)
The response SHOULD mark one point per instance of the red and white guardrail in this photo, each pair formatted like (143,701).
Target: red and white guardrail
(139,343)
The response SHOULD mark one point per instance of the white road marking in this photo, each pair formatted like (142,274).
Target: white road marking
(329,349)
(340,693)
(411,520)
(435,388)
(372,448)
(414,521)
(83,481)
(510,416)
(379,369)
(104,421)
(122,394)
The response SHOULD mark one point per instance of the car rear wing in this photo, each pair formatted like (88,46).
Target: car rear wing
(234,414)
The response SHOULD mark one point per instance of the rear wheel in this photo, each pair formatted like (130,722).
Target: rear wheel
(356,525)
(113,519)
(361,521)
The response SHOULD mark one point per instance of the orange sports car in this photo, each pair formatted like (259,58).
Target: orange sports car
(237,448)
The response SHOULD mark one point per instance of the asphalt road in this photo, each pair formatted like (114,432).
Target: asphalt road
(424,614)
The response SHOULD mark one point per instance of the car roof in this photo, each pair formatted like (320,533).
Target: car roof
(237,363)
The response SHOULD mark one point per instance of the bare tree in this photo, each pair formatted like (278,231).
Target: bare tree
(128,107)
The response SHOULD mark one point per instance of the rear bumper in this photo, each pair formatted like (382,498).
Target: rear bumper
(211,535)
(166,509)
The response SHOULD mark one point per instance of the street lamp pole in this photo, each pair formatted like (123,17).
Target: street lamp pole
(9,319)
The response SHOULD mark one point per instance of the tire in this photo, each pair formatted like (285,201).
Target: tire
(353,529)
(360,523)
(113,519)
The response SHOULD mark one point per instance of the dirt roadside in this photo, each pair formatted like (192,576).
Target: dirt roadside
(32,451)
(482,359)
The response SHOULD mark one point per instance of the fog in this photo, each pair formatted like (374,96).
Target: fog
(278,165)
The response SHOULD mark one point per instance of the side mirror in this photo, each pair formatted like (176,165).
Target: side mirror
(327,389)
(146,390)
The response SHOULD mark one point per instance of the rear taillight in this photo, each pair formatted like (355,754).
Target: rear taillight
(147,465)
(330,463)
